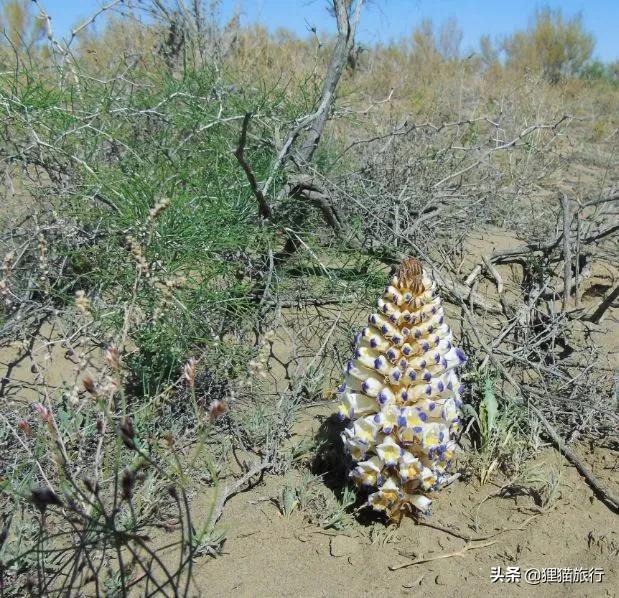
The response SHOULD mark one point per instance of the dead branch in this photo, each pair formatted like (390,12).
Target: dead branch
(448,555)
(263,207)
(611,501)
(495,274)
(567,251)
(458,534)
(234,488)
(346,26)
(315,124)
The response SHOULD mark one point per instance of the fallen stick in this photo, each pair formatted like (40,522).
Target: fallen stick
(234,488)
(612,502)
(448,555)
(567,251)
(467,538)
(494,272)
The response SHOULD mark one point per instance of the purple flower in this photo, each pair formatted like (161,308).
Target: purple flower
(461,356)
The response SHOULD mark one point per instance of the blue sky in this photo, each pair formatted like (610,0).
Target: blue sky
(385,20)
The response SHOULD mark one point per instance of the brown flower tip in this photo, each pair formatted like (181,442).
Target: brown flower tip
(112,357)
(90,385)
(43,411)
(216,409)
(410,275)
(25,427)
(189,372)
(127,434)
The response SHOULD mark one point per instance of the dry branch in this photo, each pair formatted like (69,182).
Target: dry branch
(567,251)
(234,488)
(263,207)
(448,555)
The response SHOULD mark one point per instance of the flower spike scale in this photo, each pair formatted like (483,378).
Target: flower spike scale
(401,395)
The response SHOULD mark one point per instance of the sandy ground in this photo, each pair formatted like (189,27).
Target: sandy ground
(268,554)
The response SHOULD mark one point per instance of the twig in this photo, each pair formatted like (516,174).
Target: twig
(612,502)
(263,207)
(577,268)
(448,555)
(567,251)
(234,488)
(495,274)
(467,538)
(473,275)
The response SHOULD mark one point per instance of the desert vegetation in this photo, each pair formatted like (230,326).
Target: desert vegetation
(197,218)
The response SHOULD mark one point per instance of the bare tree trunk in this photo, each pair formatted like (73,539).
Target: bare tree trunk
(346,26)
(301,186)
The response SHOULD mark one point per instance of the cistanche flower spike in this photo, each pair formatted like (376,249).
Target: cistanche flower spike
(401,396)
